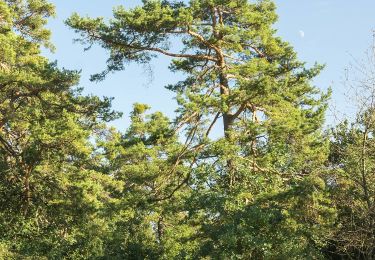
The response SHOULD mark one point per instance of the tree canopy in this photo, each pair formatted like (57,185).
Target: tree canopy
(272,184)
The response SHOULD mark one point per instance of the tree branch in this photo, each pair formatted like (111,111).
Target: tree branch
(153,49)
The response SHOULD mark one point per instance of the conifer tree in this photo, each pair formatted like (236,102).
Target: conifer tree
(50,197)
(147,224)
(256,191)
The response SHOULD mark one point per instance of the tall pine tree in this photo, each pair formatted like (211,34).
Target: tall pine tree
(256,190)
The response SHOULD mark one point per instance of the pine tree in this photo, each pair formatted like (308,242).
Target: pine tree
(147,223)
(50,198)
(257,190)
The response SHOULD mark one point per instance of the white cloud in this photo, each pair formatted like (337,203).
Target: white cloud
(301,33)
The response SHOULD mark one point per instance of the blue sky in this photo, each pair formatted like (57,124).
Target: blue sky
(325,31)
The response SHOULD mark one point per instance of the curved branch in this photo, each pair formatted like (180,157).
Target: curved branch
(152,49)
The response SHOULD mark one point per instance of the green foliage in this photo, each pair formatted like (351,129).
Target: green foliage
(244,171)
(146,224)
(256,191)
(353,188)
(51,198)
